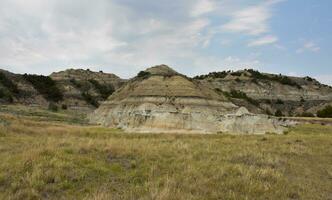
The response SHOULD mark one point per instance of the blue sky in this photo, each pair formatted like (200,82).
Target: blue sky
(292,37)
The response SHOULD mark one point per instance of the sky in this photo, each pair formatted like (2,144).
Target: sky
(292,37)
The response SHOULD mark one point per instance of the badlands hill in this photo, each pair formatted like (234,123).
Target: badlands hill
(71,89)
(270,93)
(161,100)
(85,90)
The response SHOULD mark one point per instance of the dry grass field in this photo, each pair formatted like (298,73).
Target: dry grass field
(45,155)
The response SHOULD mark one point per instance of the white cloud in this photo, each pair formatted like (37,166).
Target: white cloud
(226,63)
(253,20)
(123,36)
(325,78)
(202,7)
(269,39)
(308,46)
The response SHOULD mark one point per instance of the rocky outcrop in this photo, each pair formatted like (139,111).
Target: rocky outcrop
(85,89)
(86,75)
(161,100)
(79,89)
(24,93)
(291,95)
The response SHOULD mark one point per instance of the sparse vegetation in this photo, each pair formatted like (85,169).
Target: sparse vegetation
(6,95)
(222,74)
(8,88)
(45,159)
(64,107)
(256,75)
(52,107)
(90,99)
(308,78)
(144,74)
(306,114)
(279,101)
(241,95)
(236,73)
(77,84)
(278,78)
(325,113)
(104,90)
(254,80)
(7,83)
(278,113)
(45,86)
(268,112)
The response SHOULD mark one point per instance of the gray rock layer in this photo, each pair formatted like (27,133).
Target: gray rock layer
(167,102)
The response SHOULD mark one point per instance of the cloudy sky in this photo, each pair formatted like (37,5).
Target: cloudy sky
(292,37)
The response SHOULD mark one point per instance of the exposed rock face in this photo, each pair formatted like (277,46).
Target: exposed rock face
(162,100)
(25,94)
(78,86)
(82,89)
(291,95)
(86,75)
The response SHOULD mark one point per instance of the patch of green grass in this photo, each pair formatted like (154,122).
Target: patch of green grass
(52,160)
(40,114)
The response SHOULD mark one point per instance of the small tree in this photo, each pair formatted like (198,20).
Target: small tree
(279,101)
(278,113)
(325,113)
(143,74)
(64,107)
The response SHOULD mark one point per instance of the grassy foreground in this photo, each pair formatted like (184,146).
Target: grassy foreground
(45,155)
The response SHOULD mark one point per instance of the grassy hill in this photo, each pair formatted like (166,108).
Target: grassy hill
(47,155)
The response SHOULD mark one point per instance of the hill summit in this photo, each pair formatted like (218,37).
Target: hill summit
(160,99)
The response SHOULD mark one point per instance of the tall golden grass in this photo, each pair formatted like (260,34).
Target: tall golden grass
(50,159)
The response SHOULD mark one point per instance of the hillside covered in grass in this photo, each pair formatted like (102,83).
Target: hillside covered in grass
(45,155)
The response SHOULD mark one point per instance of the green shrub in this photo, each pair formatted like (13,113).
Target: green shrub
(2,94)
(278,113)
(254,80)
(236,73)
(279,101)
(278,78)
(104,90)
(268,101)
(90,99)
(218,90)
(6,95)
(75,83)
(6,82)
(325,113)
(45,86)
(222,74)
(144,74)
(83,86)
(64,107)
(308,78)
(241,95)
(52,107)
